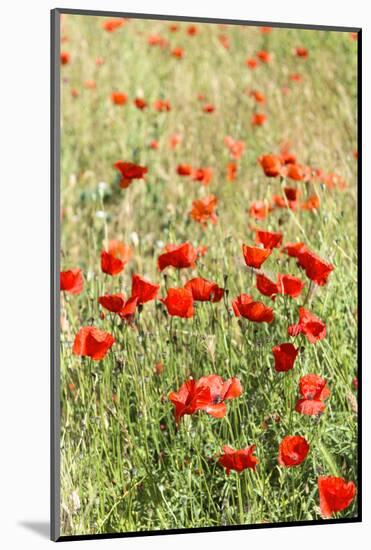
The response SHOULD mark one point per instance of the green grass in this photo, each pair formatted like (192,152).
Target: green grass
(131,468)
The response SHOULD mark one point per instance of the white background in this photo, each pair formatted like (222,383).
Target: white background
(25,265)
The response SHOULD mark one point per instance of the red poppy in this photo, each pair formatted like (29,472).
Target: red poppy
(112,302)
(298,172)
(224,40)
(179,256)
(333,181)
(111,25)
(120,250)
(268,239)
(129,171)
(162,105)
(143,289)
(184,169)
(119,98)
(265,30)
(258,96)
(264,56)
(154,144)
(257,312)
(92,342)
(177,52)
(173,27)
(203,210)
(140,103)
(231,171)
(271,165)
(157,40)
(259,210)
(301,52)
(310,325)
(129,309)
(204,290)
(258,119)
(174,140)
(293,249)
(192,30)
(314,391)
(65,58)
(72,281)
(316,269)
(251,63)
(289,285)
(90,84)
(292,195)
(313,203)
(208,108)
(238,460)
(110,264)
(287,157)
(254,256)
(335,494)
(266,286)
(284,356)
(203,175)
(293,450)
(296,77)
(236,147)
(179,302)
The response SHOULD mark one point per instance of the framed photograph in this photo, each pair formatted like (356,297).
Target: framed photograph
(206,188)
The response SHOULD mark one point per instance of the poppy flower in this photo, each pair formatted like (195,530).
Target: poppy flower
(310,325)
(208,108)
(119,250)
(99,61)
(301,52)
(335,494)
(259,210)
(72,281)
(258,119)
(254,256)
(224,41)
(110,264)
(203,210)
(266,286)
(179,256)
(316,269)
(154,144)
(157,40)
(173,27)
(203,175)
(251,63)
(313,203)
(179,302)
(271,165)
(292,195)
(113,24)
(284,356)
(192,30)
(174,140)
(90,84)
(184,169)
(236,147)
(333,181)
(161,105)
(177,52)
(159,368)
(293,450)
(257,312)
(258,96)
(129,171)
(208,394)
(204,290)
(129,308)
(268,239)
(264,56)
(289,285)
(92,342)
(265,30)
(143,289)
(231,171)
(287,157)
(298,172)
(74,92)
(112,302)
(296,77)
(238,460)
(119,98)
(314,391)
(293,249)
(140,103)
(65,58)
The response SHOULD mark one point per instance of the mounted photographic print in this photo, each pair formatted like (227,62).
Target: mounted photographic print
(205,334)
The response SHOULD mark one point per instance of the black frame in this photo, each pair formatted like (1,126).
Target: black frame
(55,270)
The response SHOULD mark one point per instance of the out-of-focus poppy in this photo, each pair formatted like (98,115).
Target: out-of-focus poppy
(244,306)
(293,249)
(90,84)
(174,140)
(296,77)
(258,119)
(157,40)
(251,63)
(204,290)
(173,27)
(119,98)
(284,356)
(154,144)
(310,325)
(120,250)
(236,147)
(110,264)
(287,157)
(112,302)
(65,58)
(335,494)
(265,30)
(177,52)
(192,30)
(203,175)
(129,171)
(264,56)
(92,342)
(266,286)
(72,281)
(111,25)
(203,210)
(208,108)
(255,256)
(224,41)
(143,289)
(259,210)
(313,203)
(238,460)
(301,52)
(99,61)
(314,391)
(258,96)
(289,285)
(334,181)
(140,103)
(179,256)
(179,302)
(184,169)
(298,172)
(231,171)
(161,105)
(271,165)
(293,450)
(316,269)
(268,239)
(159,368)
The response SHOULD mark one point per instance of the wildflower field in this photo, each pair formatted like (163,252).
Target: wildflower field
(208,275)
